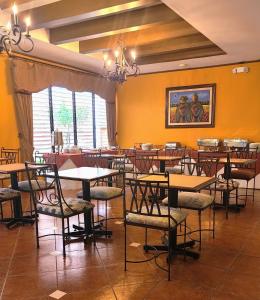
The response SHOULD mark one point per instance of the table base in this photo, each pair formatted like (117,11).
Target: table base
(13,222)
(179,249)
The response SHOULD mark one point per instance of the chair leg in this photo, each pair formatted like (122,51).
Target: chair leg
(199,212)
(169,254)
(145,238)
(185,233)
(93,224)
(254,190)
(63,237)
(125,246)
(37,232)
(214,218)
(106,218)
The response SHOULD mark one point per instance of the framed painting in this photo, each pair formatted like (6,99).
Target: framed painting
(190,106)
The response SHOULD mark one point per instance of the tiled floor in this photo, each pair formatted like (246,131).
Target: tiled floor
(229,266)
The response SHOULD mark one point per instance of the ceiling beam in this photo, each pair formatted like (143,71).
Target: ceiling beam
(110,25)
(67,11)
(180,55)
(8,3)
(174,44)
(132,39)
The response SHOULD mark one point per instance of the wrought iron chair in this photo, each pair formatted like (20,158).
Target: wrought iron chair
(198,201)
(105,190)
(11,156)
(174,168)
(7,194)
(144,210)
(51,202)
(245,172)
(225,185)
(145,164)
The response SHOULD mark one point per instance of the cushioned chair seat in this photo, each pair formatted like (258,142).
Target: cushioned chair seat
(221,185)
(103,192)
(74,206)
(245,174)
(4,176)
(161,222)
(174,170)
(192,200)
(6,194)
(24,186)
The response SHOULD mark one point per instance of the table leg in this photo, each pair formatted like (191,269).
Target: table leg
(162,170)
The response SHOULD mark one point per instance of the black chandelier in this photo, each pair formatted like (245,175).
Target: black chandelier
(120,64)
(12,34)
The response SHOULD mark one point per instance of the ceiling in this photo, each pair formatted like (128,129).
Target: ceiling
(167,35)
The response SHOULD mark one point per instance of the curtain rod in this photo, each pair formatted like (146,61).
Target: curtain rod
(50,63)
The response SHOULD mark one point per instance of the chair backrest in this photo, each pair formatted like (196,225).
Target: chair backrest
(96,160)
(145,199)
(210,144)
(206,166)
(11,154)
(144,164)
(42,188)
(181,151)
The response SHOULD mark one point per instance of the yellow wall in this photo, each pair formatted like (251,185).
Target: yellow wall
(8,129)
(141,106)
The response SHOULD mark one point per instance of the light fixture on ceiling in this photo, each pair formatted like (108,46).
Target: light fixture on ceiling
(120,63)
(12,34)
(182,65)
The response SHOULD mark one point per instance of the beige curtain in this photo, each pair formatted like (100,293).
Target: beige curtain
(32,77)
(23,107)
(111,123)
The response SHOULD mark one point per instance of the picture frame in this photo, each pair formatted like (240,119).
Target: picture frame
(190,106)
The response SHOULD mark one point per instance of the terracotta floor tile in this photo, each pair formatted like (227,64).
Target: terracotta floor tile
(30,285)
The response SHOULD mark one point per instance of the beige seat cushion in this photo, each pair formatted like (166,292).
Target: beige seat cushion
(102,192)
(161,222)
(24,186)
(7,193)
(192,200)
(174,170)
(4,176)
(222,185)
(74,206)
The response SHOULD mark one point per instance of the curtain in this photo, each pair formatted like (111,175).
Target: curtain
(32,77)
(111,123)
(23,107)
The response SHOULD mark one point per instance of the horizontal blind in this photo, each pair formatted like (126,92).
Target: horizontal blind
(41,121)
(101,122)
(63,114)
(84,119)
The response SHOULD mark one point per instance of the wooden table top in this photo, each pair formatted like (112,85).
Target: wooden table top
(12,168)
(85,173)
(167,158)
(237,161)
(183,182)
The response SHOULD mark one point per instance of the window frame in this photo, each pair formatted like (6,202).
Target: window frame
(74,111)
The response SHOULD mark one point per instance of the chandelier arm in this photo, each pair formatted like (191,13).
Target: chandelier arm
(27,50)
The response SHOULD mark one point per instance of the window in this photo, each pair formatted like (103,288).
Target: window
(41,121)
(80,116)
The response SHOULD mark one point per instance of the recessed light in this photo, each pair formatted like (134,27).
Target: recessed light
(182,65)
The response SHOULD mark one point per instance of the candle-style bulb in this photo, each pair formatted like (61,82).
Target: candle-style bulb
(8,26)
(116,53)
(133,54)
(15,9)
(105,56)
(27,22)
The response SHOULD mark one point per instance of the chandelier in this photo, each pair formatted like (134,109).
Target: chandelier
(12,34)
(120,64)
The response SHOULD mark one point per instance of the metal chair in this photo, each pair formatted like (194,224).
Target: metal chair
(51,202)
(245,172)
(198,201)
(174,168)
(144,210)
(7,194)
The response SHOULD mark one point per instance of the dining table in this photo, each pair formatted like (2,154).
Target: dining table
(18,219)
(86,175)
(178,183)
